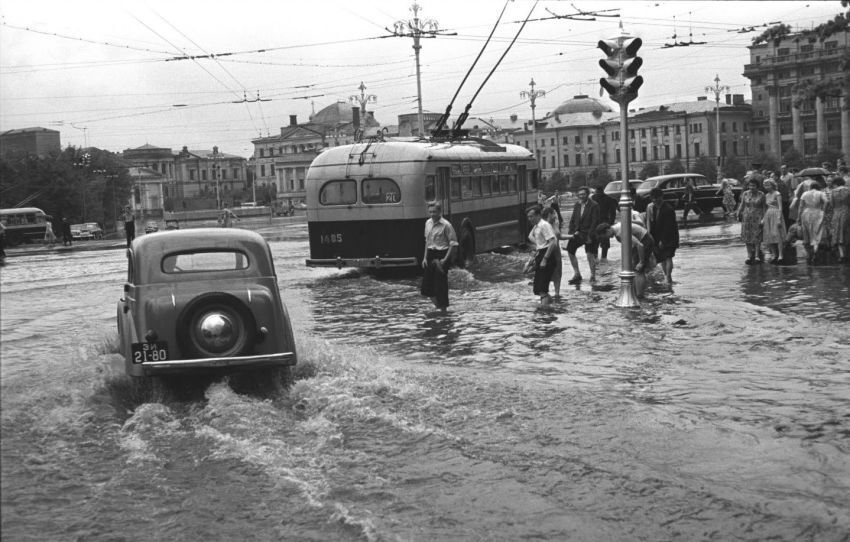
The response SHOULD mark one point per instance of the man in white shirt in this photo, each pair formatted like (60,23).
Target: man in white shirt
(440,244)
(545,241)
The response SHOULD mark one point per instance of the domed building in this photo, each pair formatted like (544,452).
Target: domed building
(580,104)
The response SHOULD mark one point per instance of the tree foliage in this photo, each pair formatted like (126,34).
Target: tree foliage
(765,160)
(650,169)
(793,158)
(775,34)
(577,180)
(63,185)
(705,166)
(674,166)
(556,181)
(600,177)
(734,168)
(828,155)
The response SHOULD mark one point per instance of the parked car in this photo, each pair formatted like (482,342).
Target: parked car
(151,226)
(172,224)
(88,230)
(203,300)
(613,188)
(673,186)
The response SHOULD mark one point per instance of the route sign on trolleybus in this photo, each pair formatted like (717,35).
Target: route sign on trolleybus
(367,202)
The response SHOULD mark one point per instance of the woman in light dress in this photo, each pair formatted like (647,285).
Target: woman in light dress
(750,212)
(773,227)
(840,225)
(49,236)
(812,204)
(728,197)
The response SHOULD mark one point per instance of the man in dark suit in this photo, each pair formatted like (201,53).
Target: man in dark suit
(607,213)
(582,232)
(662,226)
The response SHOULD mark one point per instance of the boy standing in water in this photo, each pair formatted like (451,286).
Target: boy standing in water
(440,244)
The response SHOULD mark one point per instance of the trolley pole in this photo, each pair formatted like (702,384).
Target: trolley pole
(622,85)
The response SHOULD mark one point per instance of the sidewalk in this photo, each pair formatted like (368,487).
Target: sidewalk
(271,231)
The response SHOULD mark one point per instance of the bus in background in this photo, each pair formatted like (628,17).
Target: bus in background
(367,202)
(23,225)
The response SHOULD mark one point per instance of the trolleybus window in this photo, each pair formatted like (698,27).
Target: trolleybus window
(455,188)
(380,191)
(430,188)
(342,192)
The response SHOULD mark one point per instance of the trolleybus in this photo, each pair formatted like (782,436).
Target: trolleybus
(23,225)
(367,202)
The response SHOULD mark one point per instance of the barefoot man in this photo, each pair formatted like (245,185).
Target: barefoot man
(440,244)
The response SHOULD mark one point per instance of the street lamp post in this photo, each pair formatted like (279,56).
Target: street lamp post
(717,89)
(215,176)
(84,164)
(415,28)
(364,99)
(532,95)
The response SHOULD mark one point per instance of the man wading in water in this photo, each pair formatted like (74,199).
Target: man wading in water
(440,244)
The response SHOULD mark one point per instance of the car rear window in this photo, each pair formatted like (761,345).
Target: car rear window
(193,262)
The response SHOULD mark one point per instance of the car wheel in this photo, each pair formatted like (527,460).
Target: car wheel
(216,325)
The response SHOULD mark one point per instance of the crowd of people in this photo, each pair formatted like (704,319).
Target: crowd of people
(777,209)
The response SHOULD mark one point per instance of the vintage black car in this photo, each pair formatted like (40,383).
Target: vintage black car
(706,193)
(204,300)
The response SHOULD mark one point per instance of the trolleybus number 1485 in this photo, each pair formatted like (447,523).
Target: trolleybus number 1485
(331,238)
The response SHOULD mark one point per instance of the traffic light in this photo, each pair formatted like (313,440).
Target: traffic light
(621,66)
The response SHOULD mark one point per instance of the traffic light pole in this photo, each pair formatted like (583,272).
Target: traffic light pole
(622,84)
(628,294)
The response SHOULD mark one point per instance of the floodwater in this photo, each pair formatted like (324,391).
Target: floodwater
(718,410)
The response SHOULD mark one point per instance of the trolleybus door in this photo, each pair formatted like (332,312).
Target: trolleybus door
(522,189)
(444,190)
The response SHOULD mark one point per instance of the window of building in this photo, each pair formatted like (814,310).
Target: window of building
(723,127)
(589,139)
(678,129)
(666,152)
(271,170)
(783,52)
(654,131)
(643,132)
(191,174)
(271,151)
(810,146)
(722,148)
(809,126)
(634,154)
(696,148)
(590,159)
(643,154)
(666,130)
(631,134)
(605,157)
(223,173)
(203,175)
(578,159)
(761,147)
(679,150)
(734,127)
(577,140)
(785,128)
(552,141)
(236,173)
(262,153)
(602,138)
(830,45)
(527,146)
(617,154)
(655,152)
(566,140)
(734,148)
(262,170)
(543,142)
(807,48)
(566,160)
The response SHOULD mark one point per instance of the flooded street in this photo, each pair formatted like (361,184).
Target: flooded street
(719,410)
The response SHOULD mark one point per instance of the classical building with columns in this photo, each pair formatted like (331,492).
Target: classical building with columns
(815,125)
(281,161)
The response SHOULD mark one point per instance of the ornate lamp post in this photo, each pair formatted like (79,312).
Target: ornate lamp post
(718,89)
(532,95)
(415,28)
(364,99)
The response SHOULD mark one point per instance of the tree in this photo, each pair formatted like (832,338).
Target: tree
(765,160)
(649,170)
(556,181)
(600,177)
(828,155)
(705,166)
(734,168)
(674,166)
(792,158)
(577,180)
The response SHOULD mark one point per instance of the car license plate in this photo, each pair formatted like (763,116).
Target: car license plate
(144,352)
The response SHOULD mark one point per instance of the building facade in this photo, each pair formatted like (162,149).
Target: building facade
(583,135)
(775,70)
(281,161)
(39,142)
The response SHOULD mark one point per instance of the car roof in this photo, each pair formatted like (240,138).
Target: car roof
(146,250)
(672,175)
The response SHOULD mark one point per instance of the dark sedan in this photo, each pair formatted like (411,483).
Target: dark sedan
(707,194)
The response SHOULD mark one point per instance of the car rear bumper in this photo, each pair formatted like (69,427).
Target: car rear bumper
(241,362)
(374,263)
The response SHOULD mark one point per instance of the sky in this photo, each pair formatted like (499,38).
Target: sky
(114,75)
